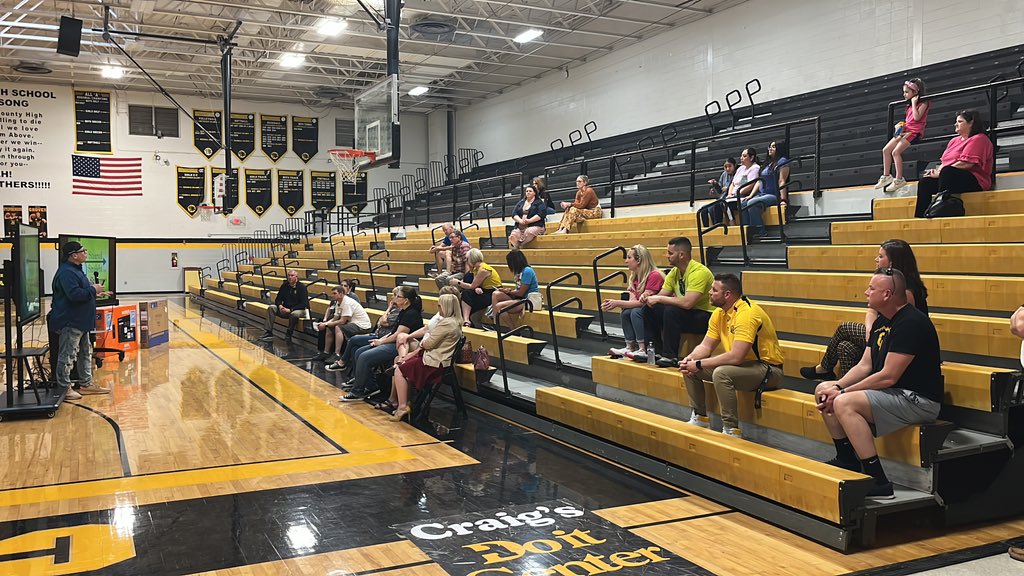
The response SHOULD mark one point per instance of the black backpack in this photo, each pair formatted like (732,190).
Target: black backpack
(945,205)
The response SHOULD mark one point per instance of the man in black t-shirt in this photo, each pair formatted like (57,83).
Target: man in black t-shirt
(291,302)
(898,381)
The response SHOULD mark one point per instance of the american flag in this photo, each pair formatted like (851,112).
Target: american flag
(106,175)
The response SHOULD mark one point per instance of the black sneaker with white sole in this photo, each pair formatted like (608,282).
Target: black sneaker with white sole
(267,336)
(355,396)
(320,357)
(336,367)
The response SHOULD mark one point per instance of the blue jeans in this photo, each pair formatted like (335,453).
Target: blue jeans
(633,325)
(74,345)
(367,359)
(754,207)
(355,344)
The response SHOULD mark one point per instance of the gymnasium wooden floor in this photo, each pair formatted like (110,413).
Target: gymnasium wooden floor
(215,455)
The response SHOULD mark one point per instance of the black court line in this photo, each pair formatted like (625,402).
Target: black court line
(397,567)
(316,430)
(941,560)
(687,519)
(126,467)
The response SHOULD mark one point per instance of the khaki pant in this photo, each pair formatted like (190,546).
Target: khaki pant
(727,380)
(520,236)
(575,215)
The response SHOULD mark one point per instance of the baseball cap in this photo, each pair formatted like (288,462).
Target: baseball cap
(70,248)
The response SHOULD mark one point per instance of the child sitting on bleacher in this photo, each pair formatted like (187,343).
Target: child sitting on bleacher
(907,132)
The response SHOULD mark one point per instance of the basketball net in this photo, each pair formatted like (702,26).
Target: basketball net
(349,161)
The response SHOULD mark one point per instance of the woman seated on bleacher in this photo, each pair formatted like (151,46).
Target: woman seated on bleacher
(644,278)
(747,171)
(771,190)
(369,353)
(528,219)
(965,166)
(477,286)
(526,287)
(540,184)
(425,365)
(850,339)
(585,207)
(719,190)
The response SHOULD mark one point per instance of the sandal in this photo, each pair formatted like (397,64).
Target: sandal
(385,406)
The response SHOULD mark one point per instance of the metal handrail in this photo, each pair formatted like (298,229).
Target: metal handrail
(503,335)
(599,281)
(433,240)
(330,240)
(372,268)
(559,306)
(222,265)
(701,231)
(993,131)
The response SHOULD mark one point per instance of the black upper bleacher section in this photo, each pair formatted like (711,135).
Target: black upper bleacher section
(854,129)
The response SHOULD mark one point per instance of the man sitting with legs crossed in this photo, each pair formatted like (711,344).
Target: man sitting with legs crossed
(898,381)
(291,302)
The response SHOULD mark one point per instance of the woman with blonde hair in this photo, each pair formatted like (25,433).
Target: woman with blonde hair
(425,367)
(477,286)
(644,278)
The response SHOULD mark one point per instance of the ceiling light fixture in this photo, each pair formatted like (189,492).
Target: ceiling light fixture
(419,90)
(332,26)
(291,60)
(112,72)
(527,35)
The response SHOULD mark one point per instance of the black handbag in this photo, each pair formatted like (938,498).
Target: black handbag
(945,205)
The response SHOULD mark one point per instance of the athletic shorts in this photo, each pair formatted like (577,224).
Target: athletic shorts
(349,330)
(895,408)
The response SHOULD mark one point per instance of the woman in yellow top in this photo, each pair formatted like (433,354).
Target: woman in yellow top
(479,283)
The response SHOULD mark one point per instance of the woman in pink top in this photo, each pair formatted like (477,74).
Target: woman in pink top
(911,130)
(966,165)
(644,278)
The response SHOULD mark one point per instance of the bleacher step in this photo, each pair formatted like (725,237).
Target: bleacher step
(962,442)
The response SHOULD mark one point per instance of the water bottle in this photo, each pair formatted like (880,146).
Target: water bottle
(650,354)
(899,128)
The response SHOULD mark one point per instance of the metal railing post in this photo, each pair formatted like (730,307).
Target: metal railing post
(559,306)
(598,281)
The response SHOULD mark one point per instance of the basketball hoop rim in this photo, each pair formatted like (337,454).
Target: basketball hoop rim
(352,154)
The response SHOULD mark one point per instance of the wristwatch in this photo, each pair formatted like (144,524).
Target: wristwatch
(698,365)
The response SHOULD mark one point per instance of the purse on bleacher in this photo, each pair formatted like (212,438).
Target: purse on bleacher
(945,205)
(466,354)
(481,360)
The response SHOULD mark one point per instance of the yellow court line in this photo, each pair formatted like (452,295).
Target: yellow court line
(130,484)
(269,372)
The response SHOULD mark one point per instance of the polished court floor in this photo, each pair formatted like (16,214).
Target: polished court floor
(214,454)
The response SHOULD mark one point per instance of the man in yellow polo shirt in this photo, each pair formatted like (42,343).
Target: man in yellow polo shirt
(682,306)
(752,359)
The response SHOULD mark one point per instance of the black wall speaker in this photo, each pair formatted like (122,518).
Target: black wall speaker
(69,38)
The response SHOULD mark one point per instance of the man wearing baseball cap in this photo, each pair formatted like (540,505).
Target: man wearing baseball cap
(73,316)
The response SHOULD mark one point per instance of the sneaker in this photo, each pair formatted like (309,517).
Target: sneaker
(72,395)
(883,181)
(348,384)
(882,491)
(810,373)
(667,362)
(734,432)
(320,357)
(698,420)
(335,367)
(638,356)
(94,389)
(618,352)
(851,466)
(331,359)
(267,336)
(354,396)
(896,185)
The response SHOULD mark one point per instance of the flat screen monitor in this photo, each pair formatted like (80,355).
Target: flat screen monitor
(27,293)
(100,265)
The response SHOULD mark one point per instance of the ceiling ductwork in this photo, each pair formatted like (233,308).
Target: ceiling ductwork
(34,68)
(432,26)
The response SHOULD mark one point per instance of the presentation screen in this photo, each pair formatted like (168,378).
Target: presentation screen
(26,266)
(100,266)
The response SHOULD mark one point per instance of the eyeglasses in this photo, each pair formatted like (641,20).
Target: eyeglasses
(82,251)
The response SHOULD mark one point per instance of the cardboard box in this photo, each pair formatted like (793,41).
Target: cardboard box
(152,323)
(117,328)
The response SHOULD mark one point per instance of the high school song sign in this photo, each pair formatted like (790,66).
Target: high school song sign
(556,538)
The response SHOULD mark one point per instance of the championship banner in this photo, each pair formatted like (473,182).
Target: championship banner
(191,188)
(305,137)
(353,194)
(210,120)
(323,190)
(258,191)
(92,122)
(274,136)
(230,200)
(291,188)
(37,218)
(557,537)
(243,134)
(12,217)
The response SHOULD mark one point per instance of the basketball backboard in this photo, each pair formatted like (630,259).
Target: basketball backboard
(376,121)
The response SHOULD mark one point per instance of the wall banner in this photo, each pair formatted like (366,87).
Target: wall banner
(353,194)
(243,134)
(210,120)
(291,188)
(323,189)
(305,137)
(258,191)
(191,188)
(12,217)
(230,200)
(274,136)
(37,217)
(92,122)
